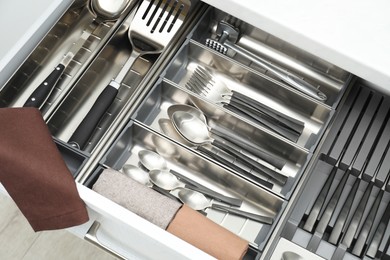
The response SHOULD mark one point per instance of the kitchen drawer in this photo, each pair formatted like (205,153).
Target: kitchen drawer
(139,119)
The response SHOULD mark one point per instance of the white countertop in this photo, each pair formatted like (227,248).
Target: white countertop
(352,34)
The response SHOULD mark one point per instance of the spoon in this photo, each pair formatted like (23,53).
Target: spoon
(196,131)
(102,10)
(162,177)
(198,201)
(248,147)
(137,174)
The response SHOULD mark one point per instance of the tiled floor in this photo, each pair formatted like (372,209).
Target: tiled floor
(19,241)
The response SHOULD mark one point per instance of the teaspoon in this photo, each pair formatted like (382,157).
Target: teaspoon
(198,201)
(162,176)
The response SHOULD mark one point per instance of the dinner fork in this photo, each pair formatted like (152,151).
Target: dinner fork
(204,83)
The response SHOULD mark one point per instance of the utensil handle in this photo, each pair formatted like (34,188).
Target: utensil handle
(232,164)
(246,145)
(246,112)
(283,119)
(287,77)
(213,194)
(91,120)
(249,215)
(42,92)
(235,151)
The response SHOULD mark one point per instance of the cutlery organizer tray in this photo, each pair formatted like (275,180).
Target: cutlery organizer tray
(188,165)
(272,155)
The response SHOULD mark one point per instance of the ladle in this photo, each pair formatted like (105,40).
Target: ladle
(195,130)
(102,10)
(162,177)
(198,201)
(248,148)
(137,174)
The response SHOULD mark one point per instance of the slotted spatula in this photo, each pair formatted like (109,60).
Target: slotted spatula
(154,25)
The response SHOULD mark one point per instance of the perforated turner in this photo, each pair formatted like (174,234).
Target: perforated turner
(154,25)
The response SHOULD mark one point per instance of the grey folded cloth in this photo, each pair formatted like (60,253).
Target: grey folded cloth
(136,197)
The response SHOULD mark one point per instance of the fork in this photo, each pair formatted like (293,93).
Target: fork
(154,25)
(203,83)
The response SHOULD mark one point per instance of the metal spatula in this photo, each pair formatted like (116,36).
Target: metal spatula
(154,25)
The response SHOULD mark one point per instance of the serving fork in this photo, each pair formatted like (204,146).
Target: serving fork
(204,83)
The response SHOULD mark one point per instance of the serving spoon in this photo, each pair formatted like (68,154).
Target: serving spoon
(162,176)
(103,11)
(198,201)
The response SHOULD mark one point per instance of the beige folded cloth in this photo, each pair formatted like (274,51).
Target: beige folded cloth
(136,197)
(203,233)
(34,174)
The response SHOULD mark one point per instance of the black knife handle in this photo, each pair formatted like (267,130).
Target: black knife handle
(91,120)
(42,92)
(284,119)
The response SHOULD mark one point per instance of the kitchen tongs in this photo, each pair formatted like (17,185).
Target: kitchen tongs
(226,44)
(154,25)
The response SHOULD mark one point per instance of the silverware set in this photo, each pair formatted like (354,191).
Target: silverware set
(204,83)
(225,147)
(158,176)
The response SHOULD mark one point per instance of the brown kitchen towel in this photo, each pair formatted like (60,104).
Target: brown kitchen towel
(34,174)
(203,233)
(136,197)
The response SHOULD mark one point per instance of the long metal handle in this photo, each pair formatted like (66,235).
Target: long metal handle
(91,236)
(282,118)
(249,215)
(249,146)
(289,78)
(239,153)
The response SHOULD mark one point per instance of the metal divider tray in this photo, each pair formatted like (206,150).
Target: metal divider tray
(50,51)
(138,117)
(137,137)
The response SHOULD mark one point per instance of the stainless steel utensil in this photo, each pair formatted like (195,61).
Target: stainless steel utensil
(103,11)
(195,130)
(137,174)
(228,36)
(198,201)
(204,83)
(154,25)
(250,149)
(163,177)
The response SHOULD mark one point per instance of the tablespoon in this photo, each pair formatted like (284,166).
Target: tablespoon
(137,174)
(198,201)
(249,148)
(195,130)
(162,176)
